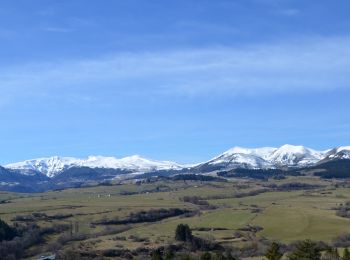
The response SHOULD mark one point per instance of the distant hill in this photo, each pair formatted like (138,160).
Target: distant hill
(62,172)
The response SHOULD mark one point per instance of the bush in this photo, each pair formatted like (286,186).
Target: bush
(6,232)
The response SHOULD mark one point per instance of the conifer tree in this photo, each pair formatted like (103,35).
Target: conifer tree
(183,233)
(306,250)
(273,253)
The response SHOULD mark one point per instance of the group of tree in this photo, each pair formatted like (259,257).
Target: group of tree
(16,240)
(197,177)
(306,250)
(152,215)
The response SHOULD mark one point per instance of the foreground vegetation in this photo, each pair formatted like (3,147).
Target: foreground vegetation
(233,219)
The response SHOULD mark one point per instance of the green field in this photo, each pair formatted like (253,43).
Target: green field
(284,216)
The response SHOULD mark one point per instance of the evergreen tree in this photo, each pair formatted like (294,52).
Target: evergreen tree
(183,233)
(306,250)
(273,253)
(346,254)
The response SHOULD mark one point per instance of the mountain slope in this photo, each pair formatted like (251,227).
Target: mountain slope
(53,166)
(62,172)
(14,180)
(263,158)
(295,156)
(238,157)
(339,153)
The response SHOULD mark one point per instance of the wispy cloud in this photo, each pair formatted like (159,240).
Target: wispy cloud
(308,66)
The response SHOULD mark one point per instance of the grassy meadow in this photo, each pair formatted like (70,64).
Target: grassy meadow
(232,216)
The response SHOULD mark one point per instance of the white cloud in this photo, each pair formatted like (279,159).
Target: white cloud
(308,66)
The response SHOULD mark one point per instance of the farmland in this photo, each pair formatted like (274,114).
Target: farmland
(234,214)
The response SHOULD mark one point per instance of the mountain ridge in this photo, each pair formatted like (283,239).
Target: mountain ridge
(62,172)
(236,157)
(52,166)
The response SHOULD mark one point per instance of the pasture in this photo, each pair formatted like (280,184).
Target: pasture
(249,208)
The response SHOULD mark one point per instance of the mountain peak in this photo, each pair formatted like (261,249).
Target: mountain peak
(267,157)
(51,166)
(293,148)
(343,148)
(295,155)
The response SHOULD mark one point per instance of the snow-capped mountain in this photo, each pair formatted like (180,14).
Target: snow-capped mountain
(266,157)
(244,158)
(290,155)
(237,157)
(48,166)
(342,152)
(52,166)
(63,172)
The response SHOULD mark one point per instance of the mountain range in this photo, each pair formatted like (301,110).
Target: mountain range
(60,172)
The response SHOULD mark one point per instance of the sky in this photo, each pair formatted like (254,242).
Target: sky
(171,80)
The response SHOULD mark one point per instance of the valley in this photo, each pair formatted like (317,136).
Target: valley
(240,215)
(237,204)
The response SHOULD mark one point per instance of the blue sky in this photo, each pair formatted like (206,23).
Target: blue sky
(171,80)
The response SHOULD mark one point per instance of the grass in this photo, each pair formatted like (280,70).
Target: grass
(284,216)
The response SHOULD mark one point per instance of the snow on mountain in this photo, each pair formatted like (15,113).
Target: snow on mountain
(134,162)
(54,165)
(47,166)
(290,155)
(237,157)
(263,152)
(342,152)
(244,157)
(267,157)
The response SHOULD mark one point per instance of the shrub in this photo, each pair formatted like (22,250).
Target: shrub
(6,232)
